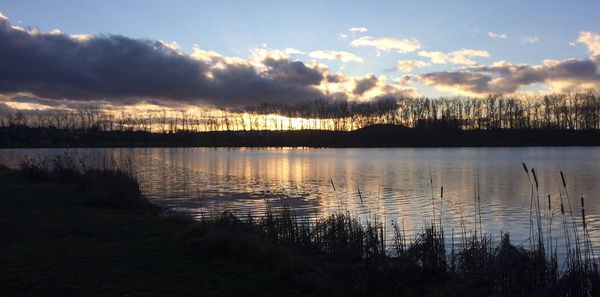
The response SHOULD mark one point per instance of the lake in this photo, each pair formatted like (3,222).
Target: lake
(401,185)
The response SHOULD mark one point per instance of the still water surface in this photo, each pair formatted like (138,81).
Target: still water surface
(396,184)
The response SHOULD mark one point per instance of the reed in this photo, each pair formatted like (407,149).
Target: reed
(356,254)
(477,265)
(114,185)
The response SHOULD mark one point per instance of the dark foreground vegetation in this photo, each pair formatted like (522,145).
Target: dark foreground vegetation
(93,234)
(73,231)
(371,136)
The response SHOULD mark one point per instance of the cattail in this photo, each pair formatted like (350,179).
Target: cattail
(534,177)
(525,167)
(442,192)
(360,196)
(562,176)
(583,213)
(562,208)
(332,185)
(549,203)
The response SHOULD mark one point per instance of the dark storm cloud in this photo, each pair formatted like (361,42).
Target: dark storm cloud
(365,84)
(240,84)
(123,70)
(471,82)
(58,66)
(391,91)
(508,78)
(575,69)
(335,78)
(293,72)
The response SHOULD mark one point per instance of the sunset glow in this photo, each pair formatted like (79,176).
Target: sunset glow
(169,67)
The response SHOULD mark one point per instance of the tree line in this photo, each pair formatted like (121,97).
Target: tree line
(572,111)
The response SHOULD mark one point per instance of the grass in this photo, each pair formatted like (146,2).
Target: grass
(64,239)
(354,256)
(77,231)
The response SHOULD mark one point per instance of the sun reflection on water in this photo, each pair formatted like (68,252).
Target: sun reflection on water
(394,184)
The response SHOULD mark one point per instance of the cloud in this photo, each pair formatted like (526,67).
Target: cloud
(26,109)
(57,66)
(292,72)
(459,81)
(435,57)
(504,77)
(82,37)
(365,84)
(388,44)
(340,86)
(403,80)
(203,55)
(592,41)
(497,35)
(65,71)
(358,29)
(408,65)
(260,54)
(172,45)
(460,57)
(336,55)
(343,35)
(24,101)
(392,91)
(120,69)
(530,39)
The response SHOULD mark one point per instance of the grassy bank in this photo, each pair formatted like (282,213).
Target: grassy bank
(66,238)
(75,231)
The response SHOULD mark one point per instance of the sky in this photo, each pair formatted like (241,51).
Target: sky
(232,53)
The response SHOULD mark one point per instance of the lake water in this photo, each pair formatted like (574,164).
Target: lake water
(394,183)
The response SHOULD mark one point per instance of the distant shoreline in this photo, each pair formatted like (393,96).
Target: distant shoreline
(369,137)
